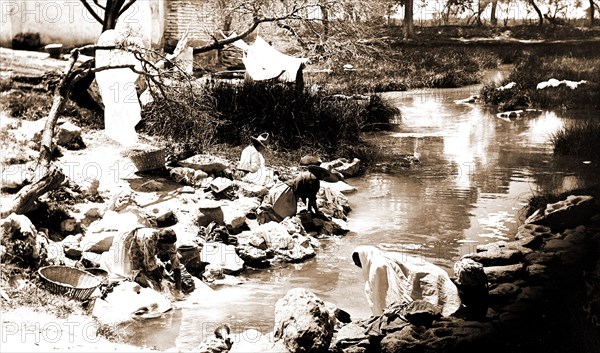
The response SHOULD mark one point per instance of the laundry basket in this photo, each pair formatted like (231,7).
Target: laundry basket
(147,159)
(69,281)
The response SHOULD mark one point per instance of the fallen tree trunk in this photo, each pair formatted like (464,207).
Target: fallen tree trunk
(47,176)
(26,198)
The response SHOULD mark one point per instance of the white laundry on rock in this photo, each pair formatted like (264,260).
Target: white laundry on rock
(400,278)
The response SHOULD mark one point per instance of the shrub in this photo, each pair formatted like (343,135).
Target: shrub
(223,113)
(294,119)
(581,140)
(185,116)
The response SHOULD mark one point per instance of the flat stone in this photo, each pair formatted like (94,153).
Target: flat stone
(543,258)
(571,212)
(206,163)
(536,271)
(531,293)
(577,235)
(506,273)
(499,257)
(504,292)
(557,245)
(535,230)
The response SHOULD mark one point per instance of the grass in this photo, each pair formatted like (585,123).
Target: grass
(580,140)
(408,67)
(33,295)
(540,63)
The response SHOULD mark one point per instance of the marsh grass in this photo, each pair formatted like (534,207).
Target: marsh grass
(297,121)
(411,67)
(581,140)
(537,64)
(185,119)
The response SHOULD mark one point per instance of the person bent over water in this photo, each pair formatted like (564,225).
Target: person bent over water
(134,255)
(282,200)
(392,278)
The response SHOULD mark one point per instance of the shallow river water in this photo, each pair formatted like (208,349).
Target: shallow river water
(476,173)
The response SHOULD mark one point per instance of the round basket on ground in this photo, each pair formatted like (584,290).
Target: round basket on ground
(98,272)
(69,281)
(147,159)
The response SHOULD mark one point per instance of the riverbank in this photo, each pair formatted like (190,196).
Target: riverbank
(543,294)
(100,156)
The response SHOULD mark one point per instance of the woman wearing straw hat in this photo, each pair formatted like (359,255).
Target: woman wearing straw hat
(251,166)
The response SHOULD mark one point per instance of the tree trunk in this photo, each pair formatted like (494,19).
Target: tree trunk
(493,19)
(325,19)
(47,176)
(409,30)
(591,24)
(111,14)
(538,11)
(480,9)
(27,197)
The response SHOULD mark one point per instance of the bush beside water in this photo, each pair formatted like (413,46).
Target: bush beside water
(232,113)
(580,140)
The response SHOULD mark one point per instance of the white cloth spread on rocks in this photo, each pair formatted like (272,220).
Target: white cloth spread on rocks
(400,278)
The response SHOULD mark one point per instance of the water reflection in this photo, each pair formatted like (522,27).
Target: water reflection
(476,174)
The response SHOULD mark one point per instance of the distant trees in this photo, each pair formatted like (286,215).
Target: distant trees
(591,11)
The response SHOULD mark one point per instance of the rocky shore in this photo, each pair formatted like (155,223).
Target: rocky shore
(541,293)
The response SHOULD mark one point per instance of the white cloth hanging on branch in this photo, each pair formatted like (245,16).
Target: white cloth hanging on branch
(263,62)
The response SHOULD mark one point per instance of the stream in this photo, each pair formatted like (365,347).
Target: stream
(476,172)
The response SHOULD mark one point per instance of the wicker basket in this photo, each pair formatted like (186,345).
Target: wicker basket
(69,281)
(148,159)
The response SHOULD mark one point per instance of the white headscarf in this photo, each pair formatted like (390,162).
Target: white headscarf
(400,278)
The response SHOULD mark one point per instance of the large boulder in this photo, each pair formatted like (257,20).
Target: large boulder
(298,250)
(97,242)
(496,257)
(234,218)
(569,213)
(67,133)
(348,168)
(303,322)
(253,256)
(209,211)
(20,241)
(250,189)
(507,273)
(275,235)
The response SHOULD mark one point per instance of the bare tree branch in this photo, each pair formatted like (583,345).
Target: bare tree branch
(98,4)
(218,44)
(126,6)
(91,11)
